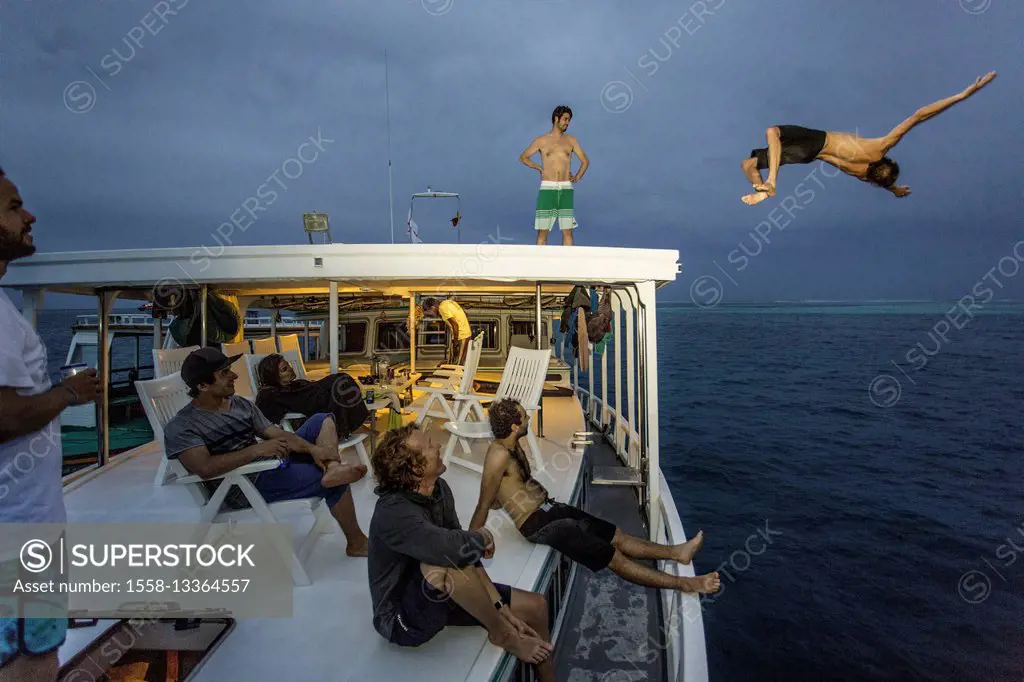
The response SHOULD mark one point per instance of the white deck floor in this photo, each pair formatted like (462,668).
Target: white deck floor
(330,635)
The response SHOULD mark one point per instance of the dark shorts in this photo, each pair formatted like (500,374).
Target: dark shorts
(799,145)
(301,477)
(425,611)
(21,634)
(580,536)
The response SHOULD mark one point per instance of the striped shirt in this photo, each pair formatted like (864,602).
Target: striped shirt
(221,432)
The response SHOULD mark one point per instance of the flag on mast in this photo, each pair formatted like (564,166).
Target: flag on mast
(414,229)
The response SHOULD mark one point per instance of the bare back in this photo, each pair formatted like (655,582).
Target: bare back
(851,153)
(518,497)
(556,156)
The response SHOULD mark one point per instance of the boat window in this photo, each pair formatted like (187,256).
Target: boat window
(490,330)
(430,333)
(392,336)
(526,328)
(352,337)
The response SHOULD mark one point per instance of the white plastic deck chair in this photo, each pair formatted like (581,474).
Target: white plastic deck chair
(162,399)
(167,361)
(291,342)
(522,380)
(264,346)
(462,384)
(230,349)
(292,356)
(449,376)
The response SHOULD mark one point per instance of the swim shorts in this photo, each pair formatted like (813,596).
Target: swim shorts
(554,202)
(799,145)
(31,624)
(580,536)
(426,610)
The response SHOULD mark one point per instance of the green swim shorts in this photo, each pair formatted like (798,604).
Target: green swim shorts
(554,202)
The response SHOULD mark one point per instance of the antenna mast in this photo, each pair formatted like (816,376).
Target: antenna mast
(387,104)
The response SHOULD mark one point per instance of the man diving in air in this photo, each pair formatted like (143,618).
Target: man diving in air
(862,157)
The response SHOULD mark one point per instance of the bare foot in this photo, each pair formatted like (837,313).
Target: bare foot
(340,474)
(684,552)
(358,548)
(527,649)
(765,187)
(751,199)
(702,584)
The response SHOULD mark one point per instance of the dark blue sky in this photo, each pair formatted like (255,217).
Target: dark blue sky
(177,133)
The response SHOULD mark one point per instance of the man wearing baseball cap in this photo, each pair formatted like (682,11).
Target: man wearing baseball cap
(216,433)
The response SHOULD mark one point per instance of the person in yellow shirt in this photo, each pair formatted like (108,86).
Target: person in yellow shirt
(458,326)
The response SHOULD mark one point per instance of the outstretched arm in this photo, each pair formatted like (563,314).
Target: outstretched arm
(524,158)
(490,481)
(934,109)
(584,161)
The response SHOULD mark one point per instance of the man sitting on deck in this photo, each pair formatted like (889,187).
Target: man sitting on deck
(217,431)
(597,544)
(425,571)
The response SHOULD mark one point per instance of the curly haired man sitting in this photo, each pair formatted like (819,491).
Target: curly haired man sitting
(425,570)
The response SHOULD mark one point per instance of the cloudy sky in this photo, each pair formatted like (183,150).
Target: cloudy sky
(131,123)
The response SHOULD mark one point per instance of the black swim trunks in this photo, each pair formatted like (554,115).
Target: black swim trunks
(799,145)
(580,536)
(425,611)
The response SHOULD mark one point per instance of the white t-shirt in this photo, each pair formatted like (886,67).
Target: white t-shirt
(30,466)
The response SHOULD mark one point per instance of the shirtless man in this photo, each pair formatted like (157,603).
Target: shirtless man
(554,200)
(595,543)
(862,157)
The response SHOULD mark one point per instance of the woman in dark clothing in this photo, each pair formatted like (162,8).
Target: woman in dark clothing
(280,392)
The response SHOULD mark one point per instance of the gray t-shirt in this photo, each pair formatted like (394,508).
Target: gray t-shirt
(221,432)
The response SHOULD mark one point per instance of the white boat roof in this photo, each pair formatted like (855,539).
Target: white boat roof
(390,268)
(330,635)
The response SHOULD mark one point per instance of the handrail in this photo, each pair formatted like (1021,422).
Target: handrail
(682,641)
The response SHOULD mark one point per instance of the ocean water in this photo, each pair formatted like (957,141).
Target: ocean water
(894,511)
(865,528)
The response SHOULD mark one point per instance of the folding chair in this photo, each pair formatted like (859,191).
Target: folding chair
(522,380)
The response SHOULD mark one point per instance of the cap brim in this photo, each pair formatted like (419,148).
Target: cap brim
(230,361)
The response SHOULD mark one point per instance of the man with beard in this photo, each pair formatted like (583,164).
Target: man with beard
(32,631)
(555,197)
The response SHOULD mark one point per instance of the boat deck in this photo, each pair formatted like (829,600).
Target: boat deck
(330,635)
(609,639)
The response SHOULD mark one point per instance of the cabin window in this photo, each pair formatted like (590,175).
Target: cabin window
(526,328)
(430,333)
(490,330)
(352,337)
(392,336)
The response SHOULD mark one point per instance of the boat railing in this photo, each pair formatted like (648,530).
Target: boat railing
(615,406)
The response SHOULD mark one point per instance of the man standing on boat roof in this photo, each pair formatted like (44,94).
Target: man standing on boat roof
(555,197)
(862,157)
(31,459)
